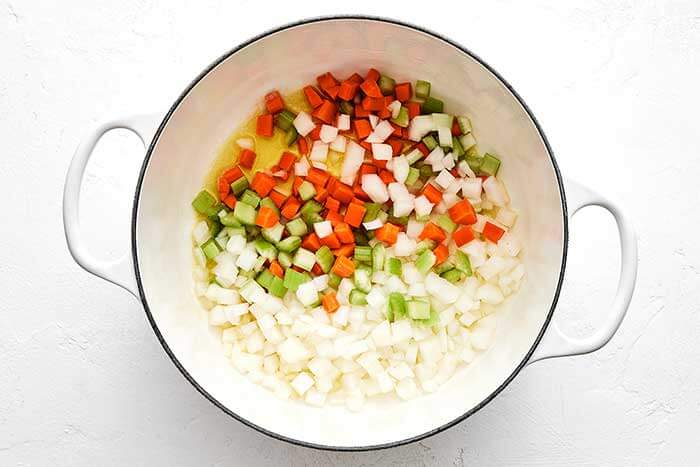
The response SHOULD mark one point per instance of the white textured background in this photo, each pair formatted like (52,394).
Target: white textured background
(83,380)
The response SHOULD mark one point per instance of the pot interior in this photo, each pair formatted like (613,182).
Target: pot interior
(286,60)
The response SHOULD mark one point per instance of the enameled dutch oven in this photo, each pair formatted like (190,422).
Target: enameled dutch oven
(180,150)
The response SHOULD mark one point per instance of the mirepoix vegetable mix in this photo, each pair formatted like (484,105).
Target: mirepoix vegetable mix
(356,242)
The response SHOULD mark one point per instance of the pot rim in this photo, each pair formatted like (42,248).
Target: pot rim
(204,392)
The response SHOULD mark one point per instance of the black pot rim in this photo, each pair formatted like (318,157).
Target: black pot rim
(203,391)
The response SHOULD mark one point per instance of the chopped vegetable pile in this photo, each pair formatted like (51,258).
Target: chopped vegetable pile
(338,282)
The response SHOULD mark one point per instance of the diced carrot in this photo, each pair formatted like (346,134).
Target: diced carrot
(366,145)
(492,232)
(276,268)
(327,81)
(330,302)
(403,92)
(343,193)
(332,204)
(331,241)
(311,242)
(348,90)
(441,253)
(387,177)
(331,184)
(315,134)
(362,128)
(423,148)
(287,160)
(230,201)
(333,92)
(312,96)
(456,130)
(379,164)
(463,235)
(282,175)
(303,146)
(264,125)
(316,270)
(317,176)
(432,232)
(334,217)
(396,146)
(355,78)
(233,174)
(343,267)
(432,193)
(372,74)
(278,198)
(413,109)
(345,250)
(371,88)
(246,159)
(321,194)
(360,112)
(463,213)
(367,169)
(296,184)
(397,130)
(223,187)
(344,233)
(354,214)
(266,218)
(326,112)
(373,104)
(263,184)
(387,233)
(359,201)
(384,113)
(273,102)
(290,208)
(455,172)
(404,134)
(359,192)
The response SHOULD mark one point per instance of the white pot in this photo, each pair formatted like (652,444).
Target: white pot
(180,151)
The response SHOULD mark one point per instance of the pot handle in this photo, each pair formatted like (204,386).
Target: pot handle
(555,342)
(120,271)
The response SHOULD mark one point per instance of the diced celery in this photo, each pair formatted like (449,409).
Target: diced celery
(430,141)
(273,234)
(362,278)
(422,89)
(296,227)
(457,148)
(248,274)
(334,280)
(467,141)
(265,249)
(211,249)
(424,245)
(360,237)
(289,244)
(378,255)
(418,309)
(442,267)
(311,218)
(412,177)
(277,287)
(371,211)
(252,231)
(306,190)
(432,320)
(259,263)
(267,201)
(363,253)
(346,108)
(441,120)
(474,163)
(293,279)
(462,262)
(214,227)
(232,231)
(245,213)
(310,206)
(265,278)
(204,203)
(402,118)
(304,259)
(393,266)
(250,290)
(403,220)
(290,136)
(285,120)
(382,216)
(425,261)
(444,221)
(229,220)
(489,165)
(239,186)
(386,84)
(285,259)
(397,305)
(465,125)
(472,151)
(414,156)
(426,171)
(452,275)
(357,297)
(250,197)
(431,105)
(325,258)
